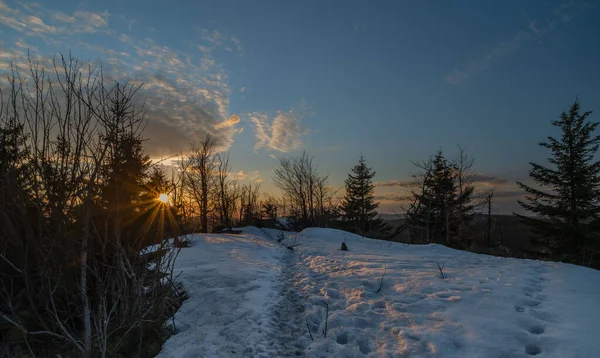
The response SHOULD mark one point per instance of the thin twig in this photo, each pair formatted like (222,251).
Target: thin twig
(441,268)
(326,319)
(381,281)
(309,332)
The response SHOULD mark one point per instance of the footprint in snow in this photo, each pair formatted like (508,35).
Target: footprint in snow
(342,338)
(537,329)
(363,346)
(533,349)
(531,302)
(519,309)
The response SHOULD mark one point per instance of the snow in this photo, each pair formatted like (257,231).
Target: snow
(285,223)
(250,296)
(231,281)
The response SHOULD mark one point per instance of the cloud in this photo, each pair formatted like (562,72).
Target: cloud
(186,94)
(478,179)
(215,39)
(282,133)
(561,14)
(92,19)
(393,197)
(510,194)
(481,64)
(20,43)
(59,16)
(38,21)
(129,22)
(252,176)
(488,180)
(229,123)
(392,183)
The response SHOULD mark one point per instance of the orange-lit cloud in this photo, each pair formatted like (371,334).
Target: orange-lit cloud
(283,132)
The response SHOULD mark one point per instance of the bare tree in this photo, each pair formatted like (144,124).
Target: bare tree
(200,176)
(249,203)
(304,188)
(227,190)
(489,218)
(463,165)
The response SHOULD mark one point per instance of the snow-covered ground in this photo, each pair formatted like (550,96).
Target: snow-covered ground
(252,297)
(232,282)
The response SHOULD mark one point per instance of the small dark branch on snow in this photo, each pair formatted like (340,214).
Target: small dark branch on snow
(441,268)
(309,332)
(381,281)
(326,319)
(344,247)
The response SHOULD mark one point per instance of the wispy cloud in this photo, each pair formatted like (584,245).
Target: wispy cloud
(35,20)
(560,15)
(215,39)
(488,180)
(396,194)
(393,197)
(515,194)
(186,93)
(392,183)
(252,176)
(283,132)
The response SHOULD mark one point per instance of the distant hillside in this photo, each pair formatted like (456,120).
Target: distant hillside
(507,231)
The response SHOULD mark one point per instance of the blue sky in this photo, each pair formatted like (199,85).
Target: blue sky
(392,80)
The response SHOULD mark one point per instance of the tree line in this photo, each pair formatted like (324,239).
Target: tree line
(443,200)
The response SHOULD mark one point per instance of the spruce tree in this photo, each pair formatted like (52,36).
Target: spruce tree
(432,215)
(566,202)
(442,208)
(359,209)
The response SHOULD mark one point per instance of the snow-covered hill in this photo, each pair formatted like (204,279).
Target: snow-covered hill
(252,297)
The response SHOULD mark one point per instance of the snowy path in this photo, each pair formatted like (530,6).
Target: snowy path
(284,320)
(288,313)
(232,282)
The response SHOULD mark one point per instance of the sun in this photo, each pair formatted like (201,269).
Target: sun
(163,198)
